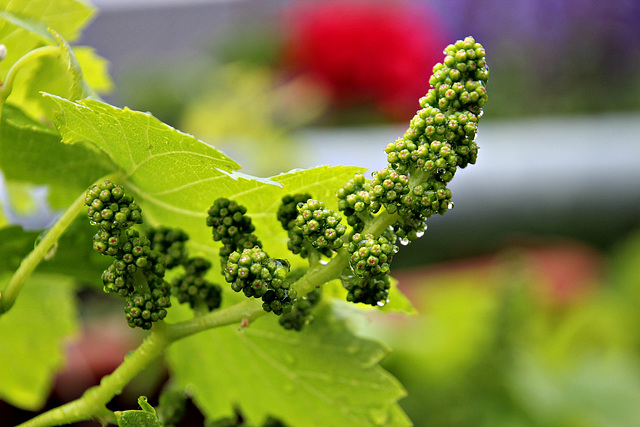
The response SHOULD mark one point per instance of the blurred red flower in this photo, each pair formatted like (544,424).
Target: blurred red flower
(366,53)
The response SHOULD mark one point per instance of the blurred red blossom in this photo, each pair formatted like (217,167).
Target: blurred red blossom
(366,53)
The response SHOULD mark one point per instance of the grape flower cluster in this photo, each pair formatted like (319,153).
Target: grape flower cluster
(137,271)
(246,266)
(315,228)
(190,287)
(392,206)
(413,186)
(232,227)
(302,312)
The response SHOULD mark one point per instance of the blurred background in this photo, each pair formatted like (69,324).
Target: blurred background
(528,291)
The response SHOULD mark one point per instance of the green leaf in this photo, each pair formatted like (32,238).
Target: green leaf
(94,69)
(23,24)
(594,390)
(59,74)
(70,257)
(15,244)
(146,417)
(77,89)
(176,177)
(322,376)
(32,338)
(137,142)
(21,197)
(32,152)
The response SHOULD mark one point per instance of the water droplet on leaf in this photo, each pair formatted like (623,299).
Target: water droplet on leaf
(289,359)
(353,349)
(379,416)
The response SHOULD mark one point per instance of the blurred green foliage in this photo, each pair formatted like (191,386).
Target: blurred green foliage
(501,343)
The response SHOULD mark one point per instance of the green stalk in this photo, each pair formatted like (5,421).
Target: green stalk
(92,404)
(31,261)
(39,252)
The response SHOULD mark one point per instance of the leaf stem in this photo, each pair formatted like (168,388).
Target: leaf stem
(250,309)
(93,402)
(31,261)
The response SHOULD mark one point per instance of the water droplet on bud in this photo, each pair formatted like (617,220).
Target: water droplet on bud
(404,242)
(450,205)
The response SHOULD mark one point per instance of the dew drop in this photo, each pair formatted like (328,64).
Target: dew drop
(51,252)
(450,205)
(289,359)
(353,349)
(381,303)
(347,276)
(191,389)
(379,416)
(404,241)
(324,262)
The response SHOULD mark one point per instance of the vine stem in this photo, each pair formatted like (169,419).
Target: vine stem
(7,85)
(93,402)
(31,261)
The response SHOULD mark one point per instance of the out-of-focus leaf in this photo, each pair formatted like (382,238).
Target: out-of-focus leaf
(95,69)
(32,338)
(32,152)
(23,25)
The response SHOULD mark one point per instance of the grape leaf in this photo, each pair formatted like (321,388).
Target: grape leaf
(137,142)
(77,88)
(71,256)
(33,333)
(60,75)
(94,69)
(176,177)
(23,25)
(15,244)
(32,152)
(321,376)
